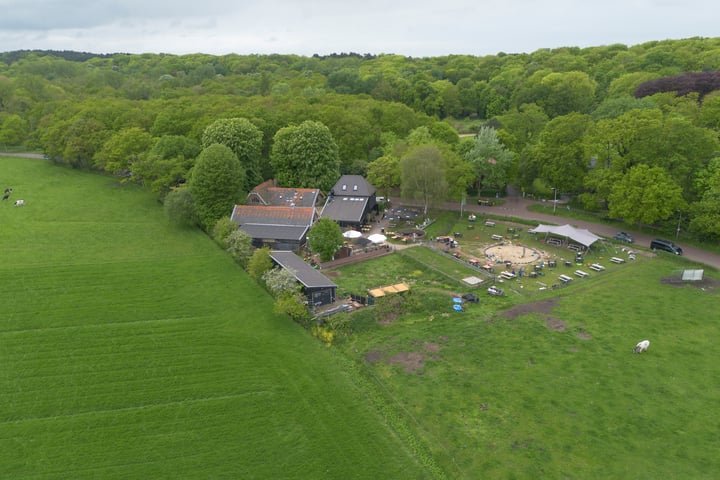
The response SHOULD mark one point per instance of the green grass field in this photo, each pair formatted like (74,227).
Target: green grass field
(554,394)
(131,349)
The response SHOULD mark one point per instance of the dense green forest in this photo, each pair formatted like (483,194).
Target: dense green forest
(630,132)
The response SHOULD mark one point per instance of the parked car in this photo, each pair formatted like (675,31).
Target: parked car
(624,237)
(470,297)
(667,245)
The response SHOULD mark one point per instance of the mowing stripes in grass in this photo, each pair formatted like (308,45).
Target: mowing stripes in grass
(130,349)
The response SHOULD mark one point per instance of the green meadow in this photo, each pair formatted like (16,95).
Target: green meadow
(555,390)
(131,349)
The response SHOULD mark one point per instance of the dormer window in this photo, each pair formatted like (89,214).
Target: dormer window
(354,188)
(344,188)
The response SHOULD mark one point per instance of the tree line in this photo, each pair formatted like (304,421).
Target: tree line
(628,131)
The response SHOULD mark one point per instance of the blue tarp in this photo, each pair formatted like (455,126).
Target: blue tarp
(458,308)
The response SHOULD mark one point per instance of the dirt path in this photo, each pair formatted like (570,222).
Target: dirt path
(518,207)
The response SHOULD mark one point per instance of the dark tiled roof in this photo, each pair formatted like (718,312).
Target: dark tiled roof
(354,185)
(260,214)
(275,232)
(345,209)
(304,273)
(267,193)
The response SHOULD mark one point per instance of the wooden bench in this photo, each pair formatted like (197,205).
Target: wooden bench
(597,267)
(489,224)
(565,279)
(554,241)
(497,237)
(581,274)
(617,260)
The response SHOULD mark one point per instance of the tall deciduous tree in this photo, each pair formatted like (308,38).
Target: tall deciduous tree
(560,156)
(167,164)
(422,173)
(123,149)
(325,238)
(244,139)
(705,212)
(645,195)
(384,173)
(216,184)
(305,156)
(179,207)
(490,159)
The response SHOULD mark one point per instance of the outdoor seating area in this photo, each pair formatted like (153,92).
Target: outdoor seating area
(565,279)
(617,260)
(497,237)
(581,274)
(489,223)
(597,267)
(507,275)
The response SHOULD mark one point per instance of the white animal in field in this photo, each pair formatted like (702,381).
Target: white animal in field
(641,346)
(19,203)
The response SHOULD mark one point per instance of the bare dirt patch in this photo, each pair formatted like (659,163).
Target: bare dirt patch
(373,356)
(543,306)
(706,283)
(555,324)
(432,347)
(388,318)
(332,273)
(584,335)
(409,361)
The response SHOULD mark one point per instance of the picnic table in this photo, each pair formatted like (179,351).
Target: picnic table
(581,274)
(597,267)
(617,260)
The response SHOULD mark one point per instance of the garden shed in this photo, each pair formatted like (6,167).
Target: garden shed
(318,289)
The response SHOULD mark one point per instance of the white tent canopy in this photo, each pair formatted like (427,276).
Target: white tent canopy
(579,235)
(352,234)
(377,238)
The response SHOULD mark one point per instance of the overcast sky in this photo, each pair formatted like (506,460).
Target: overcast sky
(421,28)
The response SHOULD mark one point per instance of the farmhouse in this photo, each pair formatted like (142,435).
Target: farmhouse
(350,201)
(277,217)
(269,194)
(318,289)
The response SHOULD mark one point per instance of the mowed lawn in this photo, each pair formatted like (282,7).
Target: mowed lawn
(556,393)
(130,349)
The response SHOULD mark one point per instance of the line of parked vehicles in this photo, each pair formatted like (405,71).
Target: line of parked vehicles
(656,244)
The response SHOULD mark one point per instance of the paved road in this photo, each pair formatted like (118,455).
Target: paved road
(518,207)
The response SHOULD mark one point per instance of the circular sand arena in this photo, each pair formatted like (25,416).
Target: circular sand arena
(517,254)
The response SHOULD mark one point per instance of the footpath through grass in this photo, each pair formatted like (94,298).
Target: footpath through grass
(133,350)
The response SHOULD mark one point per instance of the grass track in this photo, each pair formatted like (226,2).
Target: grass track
(130,350)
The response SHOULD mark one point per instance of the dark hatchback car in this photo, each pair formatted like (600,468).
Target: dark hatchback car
(624,237)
